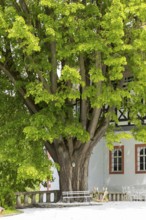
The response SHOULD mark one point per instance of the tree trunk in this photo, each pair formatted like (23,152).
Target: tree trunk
(73,172)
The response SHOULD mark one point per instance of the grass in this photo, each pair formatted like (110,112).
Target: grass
(10,212)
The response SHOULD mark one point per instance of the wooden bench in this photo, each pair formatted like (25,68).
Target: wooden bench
(79,196)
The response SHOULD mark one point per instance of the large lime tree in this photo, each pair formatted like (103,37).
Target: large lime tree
(68,61)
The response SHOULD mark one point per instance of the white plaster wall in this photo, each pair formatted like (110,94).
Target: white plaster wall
(99,168)
(114,182)
(96,166)
(55,183)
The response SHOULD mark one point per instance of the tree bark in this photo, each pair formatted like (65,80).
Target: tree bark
(73,172)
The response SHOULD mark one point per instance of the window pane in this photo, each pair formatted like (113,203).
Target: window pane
(115,167)
(141,159)
(120,167)
(141,166)
(115,160)
(119,153)
(115,153)
(142,152)
(120,160)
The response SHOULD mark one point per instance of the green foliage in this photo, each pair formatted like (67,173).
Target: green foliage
(140,133)
(70,74)
(23,164)
(96,75)
(115,30)
(113,137)
(21,31)
(46,127)
(36,89)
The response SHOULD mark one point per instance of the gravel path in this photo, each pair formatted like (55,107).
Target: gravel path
(105,211)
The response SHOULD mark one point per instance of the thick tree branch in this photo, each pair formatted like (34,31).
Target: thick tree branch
(94,121)
(70,146)
(3,68)
(96,112)
(2,2)
(51,149)
(24,6)
(17,7)
(54,67)
(100,132)
(77,145)
(83,103)
(88,147)
(29,103)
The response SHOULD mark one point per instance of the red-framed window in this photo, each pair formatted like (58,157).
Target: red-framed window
(116,160)
(140,158)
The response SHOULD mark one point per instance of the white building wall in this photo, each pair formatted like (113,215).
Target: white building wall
(114,182)
(99,168)
(55,183)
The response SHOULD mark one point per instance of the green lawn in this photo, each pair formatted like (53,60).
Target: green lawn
(10,212)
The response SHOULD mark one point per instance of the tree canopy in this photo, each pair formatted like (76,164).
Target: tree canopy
(69,62)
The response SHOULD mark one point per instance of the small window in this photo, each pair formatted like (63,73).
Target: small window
(116,160)
(140,158)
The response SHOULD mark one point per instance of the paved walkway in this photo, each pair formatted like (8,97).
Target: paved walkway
(105,211)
